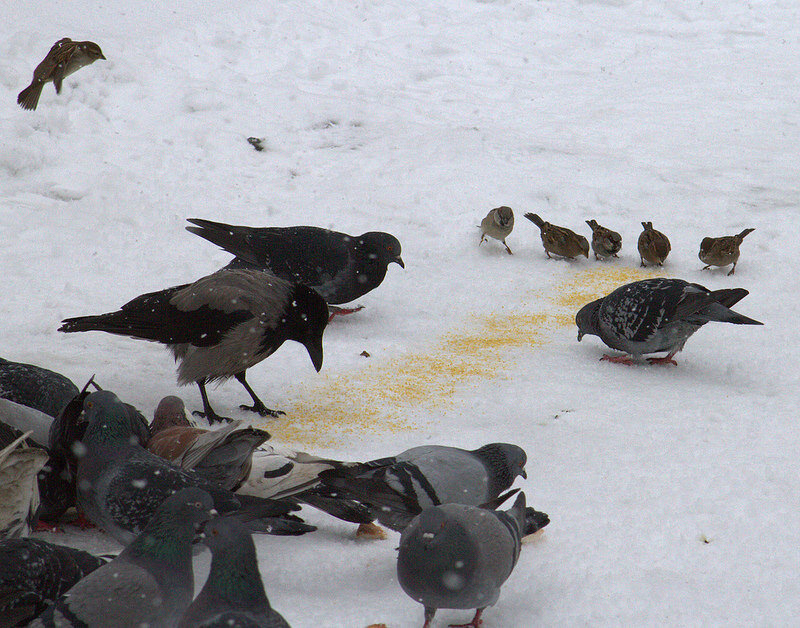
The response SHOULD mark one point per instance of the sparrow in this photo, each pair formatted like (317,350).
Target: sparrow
(65,57)
(560,240)
(722,251)
(654,246)
(498,224)
(605,243)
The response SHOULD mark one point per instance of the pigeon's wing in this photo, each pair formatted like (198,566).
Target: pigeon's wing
(637,311)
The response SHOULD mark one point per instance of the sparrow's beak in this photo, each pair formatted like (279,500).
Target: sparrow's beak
(102,56)
(523,474)
(580,335)
(399,261)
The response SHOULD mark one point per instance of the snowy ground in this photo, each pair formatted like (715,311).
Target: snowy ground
(672,491)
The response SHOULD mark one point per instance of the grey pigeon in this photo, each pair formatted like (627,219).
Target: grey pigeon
(150,583)
(233,594)
(35,387)
(220,325)
(120,484)
(224,456)
(458,556)
(657,315)
(498,224)
(19,487)
(34,573)
(605,242)
(340,267)
(400,487)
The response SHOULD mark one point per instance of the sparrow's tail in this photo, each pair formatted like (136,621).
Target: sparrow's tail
(534,218)
(29,97)
(742,235)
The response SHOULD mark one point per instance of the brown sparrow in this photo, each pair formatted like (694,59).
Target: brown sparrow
(605,243)
(722,251)
(654,246)
(498,225)
(560,240)
(65,57)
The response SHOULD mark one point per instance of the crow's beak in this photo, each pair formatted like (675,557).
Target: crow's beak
(399,261)
(314,348)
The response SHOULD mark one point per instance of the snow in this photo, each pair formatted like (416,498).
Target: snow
(671,490)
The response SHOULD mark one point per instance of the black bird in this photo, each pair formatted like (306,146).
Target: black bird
(35,387)
(33,573)
(221,325)
(657,315)
(338,266)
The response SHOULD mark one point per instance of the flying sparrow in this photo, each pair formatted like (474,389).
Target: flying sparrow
(605,243)
(65,57)
(560,240)
(498,225)
(722,251)
(654,246)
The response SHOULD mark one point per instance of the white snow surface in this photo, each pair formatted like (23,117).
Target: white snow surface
(673,491)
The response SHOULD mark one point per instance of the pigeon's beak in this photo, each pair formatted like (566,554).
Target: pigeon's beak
(314,348)
(399,261)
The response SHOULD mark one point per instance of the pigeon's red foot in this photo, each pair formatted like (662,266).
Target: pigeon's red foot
(334,311)
(475,623)
(667,359)
(618,359)
(82,522)
(43,526)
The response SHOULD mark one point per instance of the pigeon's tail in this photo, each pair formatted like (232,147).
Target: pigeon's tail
(534,218)
(518,512)
(729,296)
(334,503)
(534,521)
(228,237)
(722,314)
(29,97)
(269,516)
(287,525)
(741,236)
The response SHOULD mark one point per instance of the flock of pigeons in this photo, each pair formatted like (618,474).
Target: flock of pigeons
(158,488)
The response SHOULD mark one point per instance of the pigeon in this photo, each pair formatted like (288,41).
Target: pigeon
(35,387)
(34,573)
(560,240)
(458,556)
(722,251)
(233,594)
(65,57)
(400,487)
(150,583)
(19,488)
(120,484)
(653,245)
(220,325)
(223,456)
(338,266)
(605,242)
(656,315)
(498,224)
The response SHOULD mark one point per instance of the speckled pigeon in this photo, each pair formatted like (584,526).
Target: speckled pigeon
(150,583)
(657,315)
(400,487)
(34,573)
(233,594)
(19,488)
(458,556)
(340,267)
(35,387)
(120,484)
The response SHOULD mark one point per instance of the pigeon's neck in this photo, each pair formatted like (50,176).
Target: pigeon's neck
(500,476)
(234,578)
(164,550)
(108,435)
